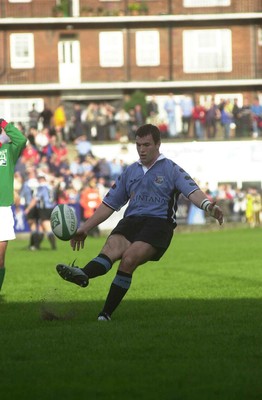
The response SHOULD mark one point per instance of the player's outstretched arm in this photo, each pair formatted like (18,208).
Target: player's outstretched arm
(200,200)
(100,215)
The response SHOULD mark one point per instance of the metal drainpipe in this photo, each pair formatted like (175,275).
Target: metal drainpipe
(170,42)
(3,70)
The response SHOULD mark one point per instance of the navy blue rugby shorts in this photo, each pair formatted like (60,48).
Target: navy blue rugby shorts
(156,231)
(44,213)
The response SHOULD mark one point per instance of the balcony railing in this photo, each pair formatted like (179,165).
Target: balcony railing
(95,74)
(89,8)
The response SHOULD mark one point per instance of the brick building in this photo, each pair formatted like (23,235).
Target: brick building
(79,50)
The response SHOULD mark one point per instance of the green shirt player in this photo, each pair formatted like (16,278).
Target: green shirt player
(12,142)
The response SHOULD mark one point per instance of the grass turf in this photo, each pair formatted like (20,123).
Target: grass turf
(189,328)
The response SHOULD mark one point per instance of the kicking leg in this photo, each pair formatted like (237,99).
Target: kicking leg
(137,254)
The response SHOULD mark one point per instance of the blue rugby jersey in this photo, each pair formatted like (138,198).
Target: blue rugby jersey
(153,193)
(45,196)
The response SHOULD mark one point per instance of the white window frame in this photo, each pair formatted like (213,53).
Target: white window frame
(16,110)
(221,49)
(111,49)
(206,3)
(21,62)
(147,48)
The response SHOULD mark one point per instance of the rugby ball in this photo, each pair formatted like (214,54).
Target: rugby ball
(63,221)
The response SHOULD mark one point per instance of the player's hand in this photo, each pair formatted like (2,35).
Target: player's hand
(3,124)
(216,212)
(78,240)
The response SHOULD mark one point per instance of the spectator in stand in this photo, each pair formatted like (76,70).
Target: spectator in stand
(253,207)
(139,115)
(83,147)
(136,118)
(132,124)
(170,108)
(89,117)
(42,141)
(32,135)
(111,111)
(122,119)
(72,194)
(212,117)
(116,169)
(33,117)
(76,166)
(102,169)
(88,166)
(236,111)
(45,117)
(101,185)
(239,207)
(62,192)
(60,121)
(227,118)
(90,200)
(102,123)
(77,127)
(246,119)
(30,153)
(256,110)
(199,118)
(60,149)
(257,206)
(152,111)
(187,107)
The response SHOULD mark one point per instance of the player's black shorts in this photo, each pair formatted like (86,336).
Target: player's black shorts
(32,214)
(156,231)
(44,213)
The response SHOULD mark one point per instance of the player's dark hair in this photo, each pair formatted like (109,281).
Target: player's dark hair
(149,129)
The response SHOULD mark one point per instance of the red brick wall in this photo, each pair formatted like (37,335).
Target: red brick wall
(44,8)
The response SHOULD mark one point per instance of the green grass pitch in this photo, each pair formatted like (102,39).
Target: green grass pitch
(190,327)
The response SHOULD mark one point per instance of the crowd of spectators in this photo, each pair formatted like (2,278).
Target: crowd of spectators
(176,117)
(205,121)
(239,205)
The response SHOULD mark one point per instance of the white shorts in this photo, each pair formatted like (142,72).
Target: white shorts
(7,222)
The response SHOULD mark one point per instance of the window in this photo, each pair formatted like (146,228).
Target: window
(22,50)
(111,53)
(208,50)
(147,48)
(16,110)
(206,3)
(218,97)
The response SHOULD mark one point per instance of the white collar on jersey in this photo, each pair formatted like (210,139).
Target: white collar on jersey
(145,169)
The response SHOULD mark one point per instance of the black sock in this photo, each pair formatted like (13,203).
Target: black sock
(33,239)
(52,240)
(98,266)
(117,291)
(40,238)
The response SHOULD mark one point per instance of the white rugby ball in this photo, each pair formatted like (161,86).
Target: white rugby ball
(63,221)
